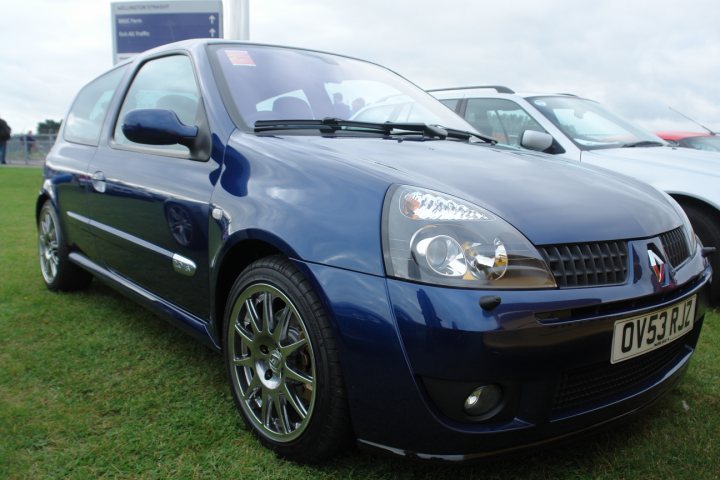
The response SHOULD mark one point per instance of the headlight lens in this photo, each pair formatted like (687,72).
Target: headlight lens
(435,238)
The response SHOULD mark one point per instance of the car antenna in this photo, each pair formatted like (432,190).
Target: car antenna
(695,122)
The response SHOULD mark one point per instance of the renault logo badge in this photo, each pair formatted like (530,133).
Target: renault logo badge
(658,266)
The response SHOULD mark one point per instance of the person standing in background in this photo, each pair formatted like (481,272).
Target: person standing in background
(5,132)
(29,143)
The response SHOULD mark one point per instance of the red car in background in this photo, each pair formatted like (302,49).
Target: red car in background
(699,140)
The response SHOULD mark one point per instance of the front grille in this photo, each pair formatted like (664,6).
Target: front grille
(595,383)
(587,264)
(676,248)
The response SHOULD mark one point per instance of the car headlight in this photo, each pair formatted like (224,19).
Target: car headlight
(434,238)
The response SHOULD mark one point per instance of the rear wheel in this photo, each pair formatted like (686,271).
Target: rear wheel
(707,229)
(57,270)
(282,362)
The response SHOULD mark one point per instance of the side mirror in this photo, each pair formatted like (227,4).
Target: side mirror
(538,141)
(158,127)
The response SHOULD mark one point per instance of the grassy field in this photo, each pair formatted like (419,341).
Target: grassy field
(92,386)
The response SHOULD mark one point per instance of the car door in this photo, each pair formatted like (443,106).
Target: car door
(150,204)
(72,154)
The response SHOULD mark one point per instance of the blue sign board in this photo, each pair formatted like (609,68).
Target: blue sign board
(137,33)
(140,26)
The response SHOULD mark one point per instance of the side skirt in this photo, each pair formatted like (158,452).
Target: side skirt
(189,323)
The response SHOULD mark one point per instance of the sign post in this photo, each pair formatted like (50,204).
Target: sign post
(237,19)
(140,26)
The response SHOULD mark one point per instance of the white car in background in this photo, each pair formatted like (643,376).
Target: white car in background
(580,129)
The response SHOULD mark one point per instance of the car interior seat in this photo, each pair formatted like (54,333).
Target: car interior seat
(291,108)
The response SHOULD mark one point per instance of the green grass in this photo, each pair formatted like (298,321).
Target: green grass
(93,386)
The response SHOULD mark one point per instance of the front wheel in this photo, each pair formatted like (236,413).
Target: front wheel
(282,362)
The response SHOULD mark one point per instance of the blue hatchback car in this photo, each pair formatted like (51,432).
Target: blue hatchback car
(399,281)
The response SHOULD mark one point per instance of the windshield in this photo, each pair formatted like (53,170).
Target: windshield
(590,126)
(273,83)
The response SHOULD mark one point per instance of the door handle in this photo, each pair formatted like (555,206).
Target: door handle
(98,182)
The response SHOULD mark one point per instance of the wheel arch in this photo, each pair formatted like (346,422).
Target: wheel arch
(42,198)
(706,223)
(240,252)
(45,194)
(684,199)
(234,260)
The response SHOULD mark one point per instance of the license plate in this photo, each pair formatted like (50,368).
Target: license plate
(638,335)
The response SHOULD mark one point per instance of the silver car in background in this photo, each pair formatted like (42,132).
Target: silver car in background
(583,130)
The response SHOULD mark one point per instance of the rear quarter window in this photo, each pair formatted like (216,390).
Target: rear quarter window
(90,107)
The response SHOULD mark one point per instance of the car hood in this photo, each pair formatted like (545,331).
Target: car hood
(639,161)
(549,200)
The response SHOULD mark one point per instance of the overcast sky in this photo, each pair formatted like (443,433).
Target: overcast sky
(637,57)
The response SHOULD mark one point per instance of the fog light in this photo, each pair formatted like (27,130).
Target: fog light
(483,400)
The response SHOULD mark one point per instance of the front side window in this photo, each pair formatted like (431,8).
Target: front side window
(589,125)
(87,113)
(270,83)
(165,83)
(503,120)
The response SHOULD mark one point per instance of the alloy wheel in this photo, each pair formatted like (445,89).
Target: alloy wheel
(272,363)
(48,243)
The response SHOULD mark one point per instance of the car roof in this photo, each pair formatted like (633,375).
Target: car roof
(193,43)
(497,88)
(497,91)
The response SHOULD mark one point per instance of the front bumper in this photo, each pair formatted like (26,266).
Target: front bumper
(411,350)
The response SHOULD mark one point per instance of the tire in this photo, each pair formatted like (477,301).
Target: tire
(57,271)
(283,363)
(707,228)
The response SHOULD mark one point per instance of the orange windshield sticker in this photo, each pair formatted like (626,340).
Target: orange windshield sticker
(240,57)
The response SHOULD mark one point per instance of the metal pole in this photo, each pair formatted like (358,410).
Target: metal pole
(238,19)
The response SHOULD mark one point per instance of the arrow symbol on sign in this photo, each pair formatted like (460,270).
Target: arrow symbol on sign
(212,19)
(212,32)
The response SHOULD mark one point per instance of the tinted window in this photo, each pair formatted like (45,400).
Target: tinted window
(87,114)
(503,120)
(167,83)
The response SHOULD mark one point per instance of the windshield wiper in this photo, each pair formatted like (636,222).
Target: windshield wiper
(466,135)
(642,143)
(332,125)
